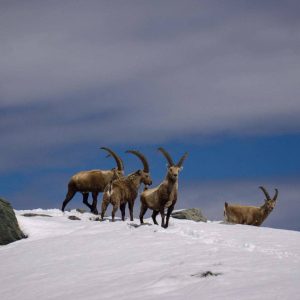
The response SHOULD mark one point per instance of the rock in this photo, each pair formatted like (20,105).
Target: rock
(35,215)
(96,219)
(193,214)
(74,218)
(81,210)
(206,274)
(9,227)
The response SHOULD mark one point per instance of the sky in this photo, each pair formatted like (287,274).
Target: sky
(219,79)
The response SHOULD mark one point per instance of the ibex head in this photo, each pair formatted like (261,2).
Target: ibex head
(269,202)
(173,169)
(119,170)
(145,173)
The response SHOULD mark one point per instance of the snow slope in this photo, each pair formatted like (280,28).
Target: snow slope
(65,259)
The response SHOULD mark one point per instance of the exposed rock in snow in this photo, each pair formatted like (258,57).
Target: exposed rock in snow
(81,210)
(9,228)
(74,218)
(193,214)
(35,215)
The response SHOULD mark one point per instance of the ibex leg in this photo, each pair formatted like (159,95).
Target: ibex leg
(68,198)
(122,208)
(94,204)
(170,209)
(85,197)
(113,213)
(130,207)
(162,213)
(154,214)
(142,213)
(104,207)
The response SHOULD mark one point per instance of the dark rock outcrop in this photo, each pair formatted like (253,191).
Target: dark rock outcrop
(74,218)
(193,214)
(35,215)
(206,274)
(9,227)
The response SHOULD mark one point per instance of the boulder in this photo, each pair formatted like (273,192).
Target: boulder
(193,214)
(74,218)
(9,227)
(35,215)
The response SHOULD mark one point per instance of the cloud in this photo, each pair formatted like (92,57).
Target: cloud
(137,72)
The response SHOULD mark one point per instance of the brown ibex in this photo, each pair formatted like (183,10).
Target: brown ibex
(250,215)
(93,181)
(125,190)
(164,195)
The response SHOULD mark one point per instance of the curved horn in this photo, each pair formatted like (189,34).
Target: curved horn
(182,160)
(276,194)
(142,158)
(265,192)
(116,157)
(167,156)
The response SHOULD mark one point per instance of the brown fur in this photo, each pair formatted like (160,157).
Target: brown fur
(123,191)
(93,181)
(164,196)
(250,215)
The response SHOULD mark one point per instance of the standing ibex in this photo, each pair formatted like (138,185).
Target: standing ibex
(93,181)
(165,195)
(250,215)
(125,189)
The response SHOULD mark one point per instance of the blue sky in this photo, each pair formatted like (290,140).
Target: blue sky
(217,79)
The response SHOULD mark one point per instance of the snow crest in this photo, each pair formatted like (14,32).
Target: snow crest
(88,259)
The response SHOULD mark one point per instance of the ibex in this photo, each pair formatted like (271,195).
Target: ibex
(125,190)
(93,181)
(165,195)
(250,215)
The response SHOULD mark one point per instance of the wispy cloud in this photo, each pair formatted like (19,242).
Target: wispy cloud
(137,72)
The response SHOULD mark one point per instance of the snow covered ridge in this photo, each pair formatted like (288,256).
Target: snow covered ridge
(65,259)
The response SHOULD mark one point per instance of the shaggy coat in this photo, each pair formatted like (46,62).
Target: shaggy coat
(250,215)
(93,181)
(164,196)
(125,190)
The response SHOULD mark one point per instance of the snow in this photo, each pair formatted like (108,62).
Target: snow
(87,259)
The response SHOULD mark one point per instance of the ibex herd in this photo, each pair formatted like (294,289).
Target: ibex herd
(120,190)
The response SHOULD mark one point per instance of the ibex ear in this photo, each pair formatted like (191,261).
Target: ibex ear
(139,172)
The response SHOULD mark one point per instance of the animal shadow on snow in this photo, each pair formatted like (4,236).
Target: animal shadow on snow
(105,219)
(110,221)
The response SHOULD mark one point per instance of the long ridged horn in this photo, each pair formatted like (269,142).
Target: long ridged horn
(182,160)
(116,157)
(265,192)
(276,194)
(167,156)
(142,158)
